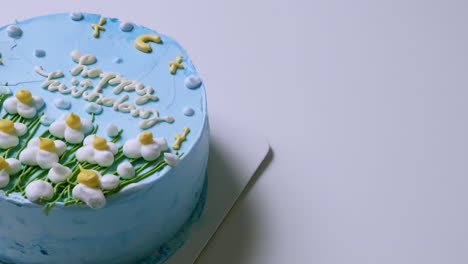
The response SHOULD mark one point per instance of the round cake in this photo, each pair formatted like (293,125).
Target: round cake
(104,138)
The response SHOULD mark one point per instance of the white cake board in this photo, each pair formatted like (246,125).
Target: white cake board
(235,154)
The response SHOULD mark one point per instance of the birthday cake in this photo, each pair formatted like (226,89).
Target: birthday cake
(104,141)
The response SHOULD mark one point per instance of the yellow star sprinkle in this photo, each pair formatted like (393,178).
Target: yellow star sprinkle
(175,65)
(98,27)
(180,138)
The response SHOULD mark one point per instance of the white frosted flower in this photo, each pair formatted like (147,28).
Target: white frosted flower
(162,142)
(46,120)
(126,170)
(58,173)
(93,108)
(5,90)
(171,159)
(112,130)
(109,182)
(144,146)
(8,167)
(62,103)
(96,150)
(71,127)
(94,179)
(39,189)
(10,133)
(24,104)
(93,197)
(44,152)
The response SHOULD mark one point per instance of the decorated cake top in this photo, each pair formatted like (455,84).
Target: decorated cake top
(92,105)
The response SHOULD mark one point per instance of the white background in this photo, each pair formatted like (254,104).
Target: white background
(365,106)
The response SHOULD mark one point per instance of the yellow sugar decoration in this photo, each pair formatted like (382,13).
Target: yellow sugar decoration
(180,138)
(7,126)
(88,177)
(141,42)
(98,27)
(99,143)
(46,144)
(24,96)
(146,137)
(3,164)
(175,65)
(73,121)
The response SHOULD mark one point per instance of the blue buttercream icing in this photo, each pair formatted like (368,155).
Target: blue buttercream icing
(138,221)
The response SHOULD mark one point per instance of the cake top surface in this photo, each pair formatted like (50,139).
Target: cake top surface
(82,72)
(58,35)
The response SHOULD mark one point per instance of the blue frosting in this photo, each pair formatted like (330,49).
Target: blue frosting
(126,26)
(39,53)
(137,221)
(76,16)
(62,103)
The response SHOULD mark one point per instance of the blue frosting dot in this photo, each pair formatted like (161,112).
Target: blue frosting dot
(118,60)
(126,26)
(39,53)
(91,108)
(188,111)
(61,103)
(46,120)
(192,82)
(76,16)
(14,31)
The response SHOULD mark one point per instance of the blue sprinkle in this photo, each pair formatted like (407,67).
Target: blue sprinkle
(93,108)
(192,82)
(61,103)
(118,60)
(14,31)
(76,16)
(46,120)
(126,26)
(188,111)
(39,53)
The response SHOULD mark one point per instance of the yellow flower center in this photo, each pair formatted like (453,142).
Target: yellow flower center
(3,164)
(7,126)
(88,177)
(46,144)
(24,96)
(73,121)
(100,143)
(146,138)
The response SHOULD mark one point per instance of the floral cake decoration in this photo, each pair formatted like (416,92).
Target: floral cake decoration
(71,161)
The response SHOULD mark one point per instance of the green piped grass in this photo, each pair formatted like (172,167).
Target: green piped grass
(117,137)
(33,126)
(31,173)
(138,177)
(3,97)
(63,190)
(22,178)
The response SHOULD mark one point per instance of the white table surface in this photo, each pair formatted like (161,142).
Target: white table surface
(364,103)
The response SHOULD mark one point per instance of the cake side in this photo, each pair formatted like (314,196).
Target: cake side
(126,230)
(137,100)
